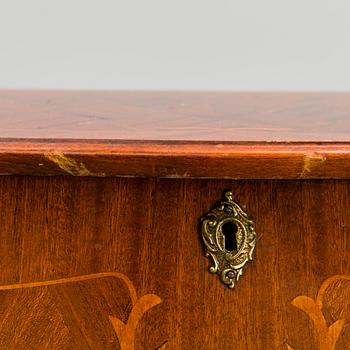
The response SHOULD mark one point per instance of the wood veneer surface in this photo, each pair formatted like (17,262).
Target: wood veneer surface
(169,116)
(175,134)
(65,229)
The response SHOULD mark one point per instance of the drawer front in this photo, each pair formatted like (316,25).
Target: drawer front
(91,263)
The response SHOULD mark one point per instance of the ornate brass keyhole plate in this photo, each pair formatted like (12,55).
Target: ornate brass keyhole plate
(229,238)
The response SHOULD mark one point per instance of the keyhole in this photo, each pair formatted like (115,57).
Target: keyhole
(229,230)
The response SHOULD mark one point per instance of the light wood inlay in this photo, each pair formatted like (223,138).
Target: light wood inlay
(327,335)
(124,331)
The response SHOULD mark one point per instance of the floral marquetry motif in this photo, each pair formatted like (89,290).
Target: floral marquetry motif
(332,298)
(125,332)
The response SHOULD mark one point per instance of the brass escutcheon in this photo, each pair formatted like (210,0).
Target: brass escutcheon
(229,238)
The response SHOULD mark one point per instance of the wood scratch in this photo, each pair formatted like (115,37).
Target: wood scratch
(311,161)
(70,165)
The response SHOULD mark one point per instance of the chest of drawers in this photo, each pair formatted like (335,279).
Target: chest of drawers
(110,202)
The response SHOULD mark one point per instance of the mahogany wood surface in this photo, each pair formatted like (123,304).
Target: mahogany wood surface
(169,116)
(175,134)
(110,255)
(88,261)
(188,160)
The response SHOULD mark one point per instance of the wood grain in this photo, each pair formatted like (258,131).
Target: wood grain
(148,230)
(175,134)
(328,335)
(176,160)
(169,116)
(124,330)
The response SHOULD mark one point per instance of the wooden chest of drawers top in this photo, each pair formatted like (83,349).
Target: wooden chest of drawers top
(175,134)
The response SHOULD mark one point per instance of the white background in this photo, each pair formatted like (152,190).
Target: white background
(175,44)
